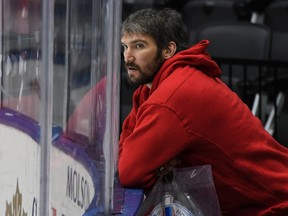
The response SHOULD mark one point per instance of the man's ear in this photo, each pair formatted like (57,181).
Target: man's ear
(170,50)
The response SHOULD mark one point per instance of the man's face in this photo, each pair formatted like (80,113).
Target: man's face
(141,56)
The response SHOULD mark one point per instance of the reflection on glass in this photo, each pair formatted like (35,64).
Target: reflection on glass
(83,76)
(84,98)
(20,56)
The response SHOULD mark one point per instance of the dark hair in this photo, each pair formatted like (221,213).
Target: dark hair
(163,25)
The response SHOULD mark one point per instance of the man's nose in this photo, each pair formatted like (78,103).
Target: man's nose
(128,57)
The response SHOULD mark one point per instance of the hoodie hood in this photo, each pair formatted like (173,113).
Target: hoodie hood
(196,57)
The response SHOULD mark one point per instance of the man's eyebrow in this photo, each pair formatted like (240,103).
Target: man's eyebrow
(135,41)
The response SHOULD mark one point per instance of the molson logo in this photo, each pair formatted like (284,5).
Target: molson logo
(72,185)
(78,189)
(15,207)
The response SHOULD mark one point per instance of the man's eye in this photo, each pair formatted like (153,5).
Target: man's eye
(139,46)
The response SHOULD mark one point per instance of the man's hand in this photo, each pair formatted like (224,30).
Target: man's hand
(169,166)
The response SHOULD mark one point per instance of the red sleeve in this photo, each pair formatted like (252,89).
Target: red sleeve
(159,136)
(127,129)
(139,97)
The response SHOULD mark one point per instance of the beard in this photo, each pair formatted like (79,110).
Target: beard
(147,74)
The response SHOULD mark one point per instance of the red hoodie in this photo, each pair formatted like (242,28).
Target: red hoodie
(191,114)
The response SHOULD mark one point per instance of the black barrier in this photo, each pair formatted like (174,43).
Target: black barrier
(263,86)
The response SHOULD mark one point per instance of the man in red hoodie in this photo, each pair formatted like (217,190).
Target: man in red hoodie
(183,110)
